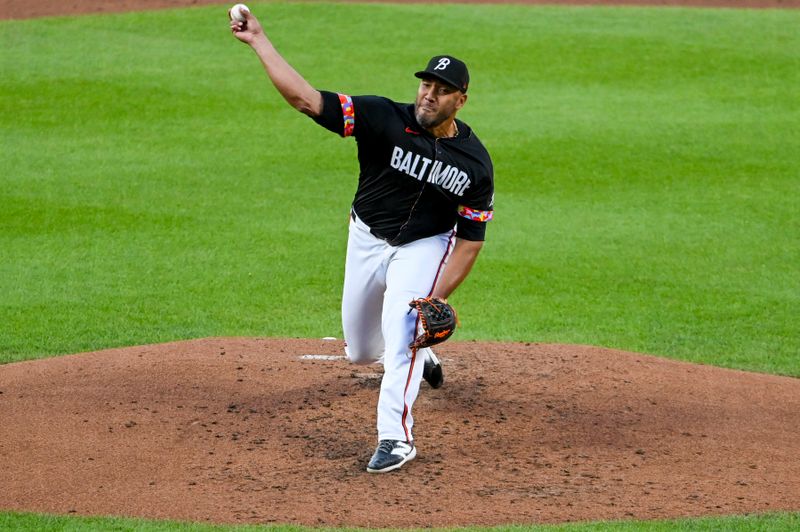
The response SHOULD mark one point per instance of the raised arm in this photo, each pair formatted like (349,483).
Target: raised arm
(292,86)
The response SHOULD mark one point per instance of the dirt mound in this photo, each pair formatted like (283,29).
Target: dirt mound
(264,430)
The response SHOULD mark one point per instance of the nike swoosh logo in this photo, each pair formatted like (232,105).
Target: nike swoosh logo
(409,130)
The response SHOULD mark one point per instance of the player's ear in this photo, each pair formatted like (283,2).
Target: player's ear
(462,100)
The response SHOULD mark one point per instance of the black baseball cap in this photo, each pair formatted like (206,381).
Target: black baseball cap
(448,69)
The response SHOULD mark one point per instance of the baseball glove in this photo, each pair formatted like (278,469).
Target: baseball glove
(437,320)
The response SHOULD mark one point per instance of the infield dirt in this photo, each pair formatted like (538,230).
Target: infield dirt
(257,431)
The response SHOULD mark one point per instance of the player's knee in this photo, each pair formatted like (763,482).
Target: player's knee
(361,356)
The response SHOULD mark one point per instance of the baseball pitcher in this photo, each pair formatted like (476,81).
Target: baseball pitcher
(417,223)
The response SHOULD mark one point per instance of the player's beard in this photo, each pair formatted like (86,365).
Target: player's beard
(429,120)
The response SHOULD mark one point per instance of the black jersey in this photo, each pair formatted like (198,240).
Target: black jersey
(411,184)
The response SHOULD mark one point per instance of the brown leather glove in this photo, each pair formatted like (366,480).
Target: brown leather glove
(438,320)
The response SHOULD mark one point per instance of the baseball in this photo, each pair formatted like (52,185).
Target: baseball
(236,12)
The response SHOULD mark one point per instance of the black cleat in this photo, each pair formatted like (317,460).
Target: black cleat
(432,372)
(391,455)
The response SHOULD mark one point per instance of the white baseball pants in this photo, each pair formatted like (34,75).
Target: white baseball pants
(379,282)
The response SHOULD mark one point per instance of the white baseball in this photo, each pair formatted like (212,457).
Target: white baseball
(236,12)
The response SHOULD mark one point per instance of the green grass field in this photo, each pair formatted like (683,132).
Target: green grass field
(45,523)
(155,187)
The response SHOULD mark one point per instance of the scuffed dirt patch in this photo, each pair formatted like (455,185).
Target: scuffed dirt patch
(241,430)
(22,9)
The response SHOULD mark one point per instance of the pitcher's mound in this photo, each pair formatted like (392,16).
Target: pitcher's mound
(264,430)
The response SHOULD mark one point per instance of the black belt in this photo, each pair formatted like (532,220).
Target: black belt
(391,242)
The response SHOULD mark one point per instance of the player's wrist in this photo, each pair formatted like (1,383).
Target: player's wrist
(260,44)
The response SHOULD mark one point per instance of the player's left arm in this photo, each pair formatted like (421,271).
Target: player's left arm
(473,215)
(460,263)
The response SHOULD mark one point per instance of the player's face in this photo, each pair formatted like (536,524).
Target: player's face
(436,102)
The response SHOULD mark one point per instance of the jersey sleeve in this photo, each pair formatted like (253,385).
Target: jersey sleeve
(338,113)
(352,116)
(476,211)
